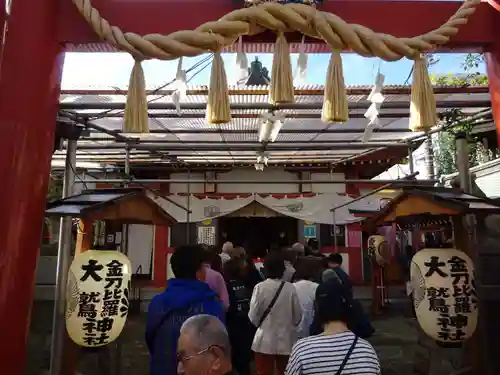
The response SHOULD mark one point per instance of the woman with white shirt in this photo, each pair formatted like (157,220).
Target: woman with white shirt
(276,312)
(306,291)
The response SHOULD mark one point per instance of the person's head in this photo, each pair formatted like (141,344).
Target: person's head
(299,249)
(430,240)
(334,260)
(212,259)
(306,269)
(203,347)
(291,255)
(328,274)
(233,269)
(237,253)
(187,262)
(227,247)
(312,243)
(274,265)
(332,302)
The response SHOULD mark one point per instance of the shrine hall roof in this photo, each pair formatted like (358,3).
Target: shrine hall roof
(445,201)
(112,204)
(184,138)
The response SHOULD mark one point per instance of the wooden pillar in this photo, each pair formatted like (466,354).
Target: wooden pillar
(29,93)
(377,296)
(160,256)
(84,236)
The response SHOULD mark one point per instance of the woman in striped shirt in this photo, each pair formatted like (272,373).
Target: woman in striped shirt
(337,351)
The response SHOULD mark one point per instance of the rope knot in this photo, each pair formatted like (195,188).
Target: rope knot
(329,27)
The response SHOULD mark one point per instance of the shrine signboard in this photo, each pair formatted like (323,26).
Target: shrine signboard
(445,298)
(97,300)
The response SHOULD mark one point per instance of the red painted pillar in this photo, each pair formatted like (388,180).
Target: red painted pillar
(29,90)
(492,58)
(160,254)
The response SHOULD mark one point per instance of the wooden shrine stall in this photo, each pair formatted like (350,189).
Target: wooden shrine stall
(462,219)
(103,212)
(101,217)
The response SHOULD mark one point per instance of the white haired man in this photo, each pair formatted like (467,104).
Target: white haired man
(203,347)
(226,249)
(299,249)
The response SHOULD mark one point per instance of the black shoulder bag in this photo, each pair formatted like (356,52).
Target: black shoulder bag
(346,358)
(271,305)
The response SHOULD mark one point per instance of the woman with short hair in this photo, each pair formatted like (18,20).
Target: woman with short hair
(276,312)
(337,350)
(306,291)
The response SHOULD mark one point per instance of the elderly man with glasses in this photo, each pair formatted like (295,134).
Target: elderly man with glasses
(203,347)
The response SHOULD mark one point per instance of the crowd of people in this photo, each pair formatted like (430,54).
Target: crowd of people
(221,315)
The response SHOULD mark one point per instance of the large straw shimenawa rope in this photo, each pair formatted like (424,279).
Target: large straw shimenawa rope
(280,18)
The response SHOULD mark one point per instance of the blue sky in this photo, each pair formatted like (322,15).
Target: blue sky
(112,70)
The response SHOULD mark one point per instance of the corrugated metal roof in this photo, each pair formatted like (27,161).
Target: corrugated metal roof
(303,127)
(96,87)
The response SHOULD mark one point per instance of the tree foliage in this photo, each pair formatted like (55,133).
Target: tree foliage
(444,142)
(54,191)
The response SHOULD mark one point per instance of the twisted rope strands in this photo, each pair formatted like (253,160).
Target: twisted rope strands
(280,18)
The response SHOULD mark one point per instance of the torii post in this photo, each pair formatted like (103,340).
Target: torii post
(38,34)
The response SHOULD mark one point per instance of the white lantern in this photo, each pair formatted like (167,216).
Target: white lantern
(97,298)
(444,294)
(378,249)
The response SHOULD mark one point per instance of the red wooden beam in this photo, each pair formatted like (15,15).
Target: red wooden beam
(398,18)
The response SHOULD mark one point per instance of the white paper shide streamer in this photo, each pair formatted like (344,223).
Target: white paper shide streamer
(241,64)
(301,70)
(180,86)
(376,98)
(271,126)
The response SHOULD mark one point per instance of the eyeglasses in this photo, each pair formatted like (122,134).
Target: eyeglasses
(185,358)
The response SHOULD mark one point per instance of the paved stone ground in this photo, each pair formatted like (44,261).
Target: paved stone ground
(395,341)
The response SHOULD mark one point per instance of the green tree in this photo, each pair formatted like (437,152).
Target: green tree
(444,141)
(54,190)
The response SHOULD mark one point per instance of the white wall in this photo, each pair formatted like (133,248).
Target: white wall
(182,188)
(328,188)
(268,174)
(140,247)
(170,273)
(248,174)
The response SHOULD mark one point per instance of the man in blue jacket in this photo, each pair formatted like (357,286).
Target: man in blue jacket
(185,296)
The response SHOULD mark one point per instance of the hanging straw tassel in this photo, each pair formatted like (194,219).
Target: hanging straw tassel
(281,86)
(335,108)
(218,110)
(135,119)
(423,103)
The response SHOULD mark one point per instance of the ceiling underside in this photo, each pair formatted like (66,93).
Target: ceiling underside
(184,136)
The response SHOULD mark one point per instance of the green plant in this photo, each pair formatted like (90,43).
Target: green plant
(444,142)
(55,189)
